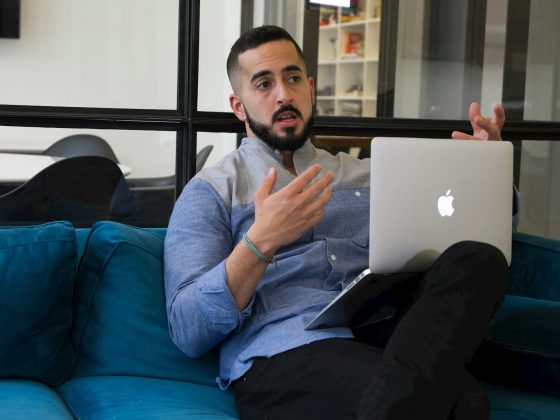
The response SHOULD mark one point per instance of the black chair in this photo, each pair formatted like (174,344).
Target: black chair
(81,145)
(81,190)
(202,156)
(155,197)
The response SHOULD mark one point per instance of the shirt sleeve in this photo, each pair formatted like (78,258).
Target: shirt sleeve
(516,207)
(200,308)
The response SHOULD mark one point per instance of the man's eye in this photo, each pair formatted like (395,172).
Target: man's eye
(294,79)
(263,85)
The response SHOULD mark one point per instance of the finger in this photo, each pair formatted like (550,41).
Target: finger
(490,127)
(303,179)
(499,115)
(459,135)
(265,189)
(317,187)
(474,112)
(316,217)
(319,203)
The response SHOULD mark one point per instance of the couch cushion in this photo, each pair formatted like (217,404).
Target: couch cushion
(38,265)
(23,399)
(130,397)
(120,323)
(535,267)
(522,346)
(515,404)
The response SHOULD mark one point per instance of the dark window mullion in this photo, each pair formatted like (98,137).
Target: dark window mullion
(474,53)
(388,39)
(515,69)
(186,153)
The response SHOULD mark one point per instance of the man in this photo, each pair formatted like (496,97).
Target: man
(260,243)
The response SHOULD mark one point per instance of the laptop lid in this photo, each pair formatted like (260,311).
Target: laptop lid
(427,194)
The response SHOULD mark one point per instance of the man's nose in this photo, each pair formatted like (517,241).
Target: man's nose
(284,94)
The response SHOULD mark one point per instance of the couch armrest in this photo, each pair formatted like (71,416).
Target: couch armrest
(522,347)
(535,267)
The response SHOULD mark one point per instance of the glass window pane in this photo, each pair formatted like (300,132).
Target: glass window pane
(348,59)
(143,197)
(93,53)
(219,28)
(542,88)
(540,188)
(216,145)
(494,54)
(447,55)
(439,60)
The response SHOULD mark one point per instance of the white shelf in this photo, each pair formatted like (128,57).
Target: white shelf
(352,98)
(345,59)
(348,61)
(339,74)
(334,26)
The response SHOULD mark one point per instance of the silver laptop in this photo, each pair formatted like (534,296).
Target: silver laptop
(427,194)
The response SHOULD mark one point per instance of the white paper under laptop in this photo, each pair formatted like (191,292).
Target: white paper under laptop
(427,194)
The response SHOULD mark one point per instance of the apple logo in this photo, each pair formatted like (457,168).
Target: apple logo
(445,204)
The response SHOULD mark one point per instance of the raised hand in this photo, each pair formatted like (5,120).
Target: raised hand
(483,128)
(282,217)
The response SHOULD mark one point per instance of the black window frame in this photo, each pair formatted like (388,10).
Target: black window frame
(186,120)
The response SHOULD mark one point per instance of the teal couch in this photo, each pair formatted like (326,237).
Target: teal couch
(83,331)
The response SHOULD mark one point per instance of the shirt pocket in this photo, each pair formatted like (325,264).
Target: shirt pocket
(346,217)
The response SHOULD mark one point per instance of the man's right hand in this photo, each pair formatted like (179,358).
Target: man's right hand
(282,217)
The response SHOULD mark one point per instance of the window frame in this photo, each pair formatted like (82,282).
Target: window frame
(186,120)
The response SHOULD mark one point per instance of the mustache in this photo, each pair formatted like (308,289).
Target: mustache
(285,108)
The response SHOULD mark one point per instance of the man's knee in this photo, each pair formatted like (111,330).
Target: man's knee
(480,263)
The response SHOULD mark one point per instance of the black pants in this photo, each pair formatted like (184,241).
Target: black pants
(412,367)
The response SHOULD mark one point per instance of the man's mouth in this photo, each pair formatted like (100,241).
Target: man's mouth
(286,116)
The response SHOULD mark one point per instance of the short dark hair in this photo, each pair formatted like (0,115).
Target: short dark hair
(255,38)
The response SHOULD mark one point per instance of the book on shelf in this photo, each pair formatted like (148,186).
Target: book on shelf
(353,45)
(352,13)
(327,16)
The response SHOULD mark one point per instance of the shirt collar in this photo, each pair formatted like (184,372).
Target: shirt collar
(302,156)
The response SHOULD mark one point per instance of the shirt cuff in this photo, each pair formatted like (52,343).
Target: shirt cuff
(216,301)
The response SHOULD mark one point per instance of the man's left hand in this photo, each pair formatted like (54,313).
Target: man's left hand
(483,128)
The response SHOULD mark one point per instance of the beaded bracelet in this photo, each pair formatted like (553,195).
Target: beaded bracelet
(256,251)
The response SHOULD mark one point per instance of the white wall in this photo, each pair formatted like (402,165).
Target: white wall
(92,53)
(540,160)
(494,55)
(543,62)
(95,53)
(409,59)
(220,23)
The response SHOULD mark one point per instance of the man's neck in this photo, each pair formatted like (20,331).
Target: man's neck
(288,162)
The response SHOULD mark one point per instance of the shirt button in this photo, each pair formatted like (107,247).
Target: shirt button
(358,193)
(333,257)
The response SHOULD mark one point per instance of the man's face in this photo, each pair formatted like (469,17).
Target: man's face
(274,96)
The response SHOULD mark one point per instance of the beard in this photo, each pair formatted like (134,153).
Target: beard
(291,141)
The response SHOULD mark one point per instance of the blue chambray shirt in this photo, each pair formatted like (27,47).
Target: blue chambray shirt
(209,219)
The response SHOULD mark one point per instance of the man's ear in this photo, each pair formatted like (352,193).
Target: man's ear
(237,107)
(311,82)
